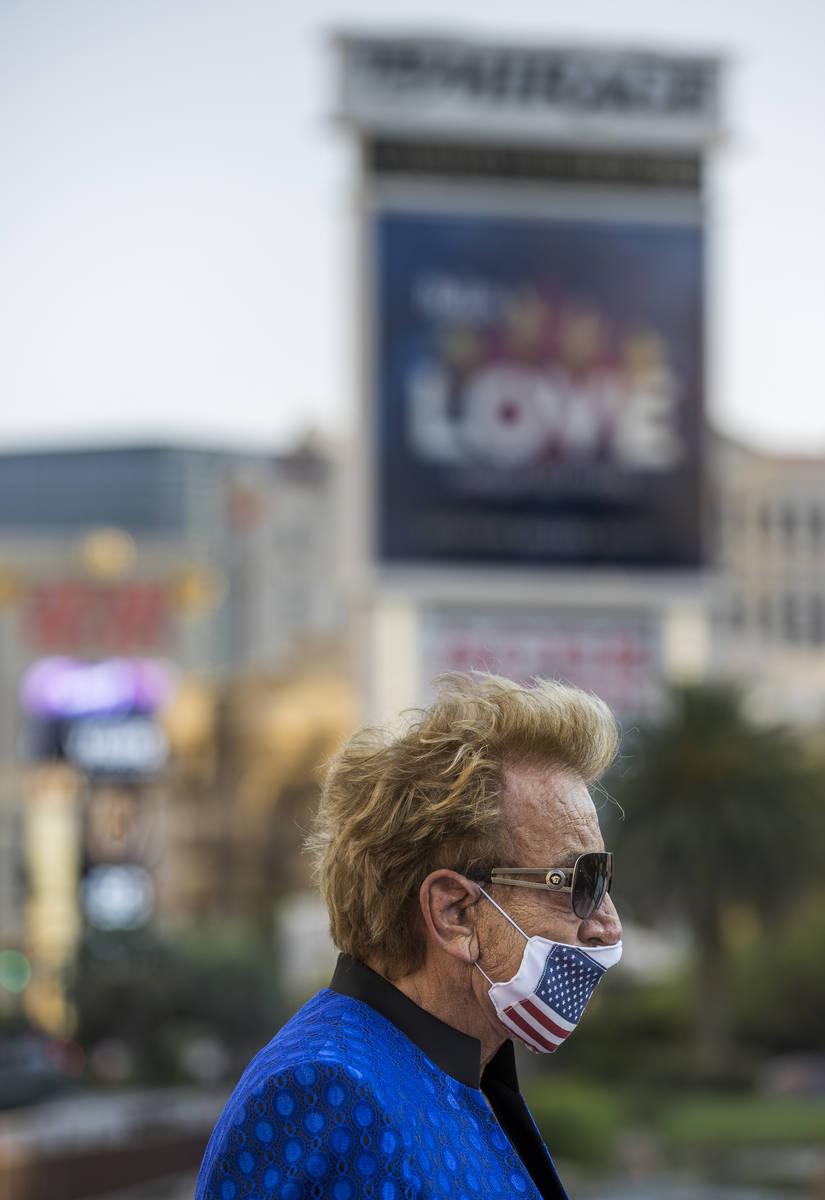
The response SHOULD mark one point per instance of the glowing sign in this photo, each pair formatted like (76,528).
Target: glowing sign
(85,616)
(15,970)
(117,745)
(65,688)
(118,897)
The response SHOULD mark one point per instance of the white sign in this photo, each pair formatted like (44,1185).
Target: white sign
(118,897)
(616,655)
(548,93)
(510,416)
(134,745)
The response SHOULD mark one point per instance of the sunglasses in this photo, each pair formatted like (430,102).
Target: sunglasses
(588,880)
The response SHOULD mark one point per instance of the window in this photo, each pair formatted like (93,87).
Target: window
(736,612)
(790,616)
(789,522)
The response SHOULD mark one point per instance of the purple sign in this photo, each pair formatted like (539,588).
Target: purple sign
(65,688)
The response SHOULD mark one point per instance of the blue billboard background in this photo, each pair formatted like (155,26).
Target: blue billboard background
(538,391)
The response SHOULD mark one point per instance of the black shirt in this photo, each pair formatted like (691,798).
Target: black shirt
(459,1056)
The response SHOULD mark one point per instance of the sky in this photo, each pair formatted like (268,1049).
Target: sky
(177,215)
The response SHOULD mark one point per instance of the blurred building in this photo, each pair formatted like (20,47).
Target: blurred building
(768,617)
(160,611)
(246,536)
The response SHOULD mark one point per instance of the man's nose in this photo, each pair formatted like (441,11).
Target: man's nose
(603,927)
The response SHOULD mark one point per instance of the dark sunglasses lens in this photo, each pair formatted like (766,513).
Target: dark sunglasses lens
(591,880)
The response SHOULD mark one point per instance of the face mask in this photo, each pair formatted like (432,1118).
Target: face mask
(544,1000)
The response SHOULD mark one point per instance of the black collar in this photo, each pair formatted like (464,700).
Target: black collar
(456,1053)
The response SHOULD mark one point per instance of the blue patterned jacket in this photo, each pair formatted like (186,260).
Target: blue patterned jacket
(365,1095)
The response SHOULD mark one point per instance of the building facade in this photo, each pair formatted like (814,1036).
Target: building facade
(145,594)
(768,617)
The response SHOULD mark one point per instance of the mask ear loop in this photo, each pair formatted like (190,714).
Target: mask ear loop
(507,918)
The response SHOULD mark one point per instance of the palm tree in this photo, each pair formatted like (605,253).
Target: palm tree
(719,813)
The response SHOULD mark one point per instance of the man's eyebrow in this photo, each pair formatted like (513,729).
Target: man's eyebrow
(565,860)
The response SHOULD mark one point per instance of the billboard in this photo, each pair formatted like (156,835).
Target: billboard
(615,654)
(538,390)
(550,94)
(98,715)
(62,688)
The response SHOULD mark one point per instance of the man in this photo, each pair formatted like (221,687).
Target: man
(467,885)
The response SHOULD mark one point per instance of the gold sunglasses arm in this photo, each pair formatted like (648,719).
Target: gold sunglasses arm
(543,887)
(554,878)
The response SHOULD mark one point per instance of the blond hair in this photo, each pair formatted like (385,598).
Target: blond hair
(394,808)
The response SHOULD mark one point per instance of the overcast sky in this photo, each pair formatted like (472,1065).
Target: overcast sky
(176,211)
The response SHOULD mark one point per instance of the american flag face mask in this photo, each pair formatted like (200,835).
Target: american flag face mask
(543,1002)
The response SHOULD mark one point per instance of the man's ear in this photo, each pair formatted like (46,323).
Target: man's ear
(448,903)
